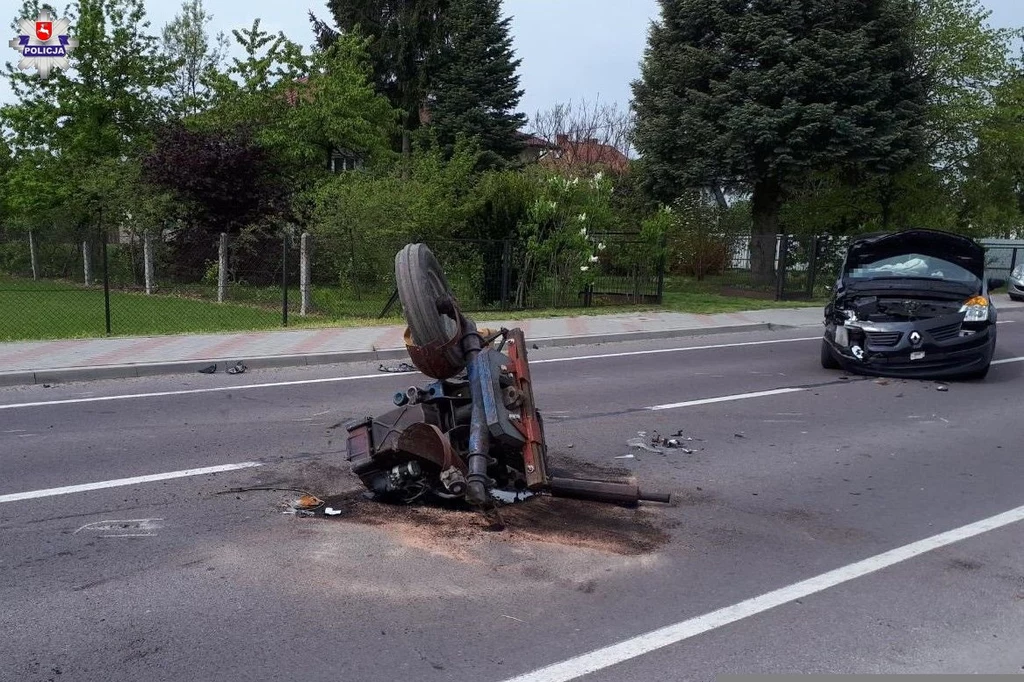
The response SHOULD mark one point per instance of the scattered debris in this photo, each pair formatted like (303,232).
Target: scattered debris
(306,505)
(210,369)
(942,388)
(400,368)
(239,368)
(642,442)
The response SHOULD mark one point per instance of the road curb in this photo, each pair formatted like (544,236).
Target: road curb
(137,370)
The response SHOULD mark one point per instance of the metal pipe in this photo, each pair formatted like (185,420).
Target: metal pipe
(479,437)
(627,494)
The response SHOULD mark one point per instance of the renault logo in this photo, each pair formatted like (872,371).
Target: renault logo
(915,338)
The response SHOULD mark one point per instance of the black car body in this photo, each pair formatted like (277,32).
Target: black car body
(912,304)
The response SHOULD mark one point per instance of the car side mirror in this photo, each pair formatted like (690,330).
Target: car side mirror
(996,283)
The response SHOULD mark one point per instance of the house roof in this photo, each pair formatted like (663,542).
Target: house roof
(586,153)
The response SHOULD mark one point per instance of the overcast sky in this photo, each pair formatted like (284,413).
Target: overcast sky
(570,49)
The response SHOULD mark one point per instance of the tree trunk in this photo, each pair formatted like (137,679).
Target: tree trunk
(765,205)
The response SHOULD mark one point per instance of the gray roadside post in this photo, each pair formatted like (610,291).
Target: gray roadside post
(304,277)
(222,268)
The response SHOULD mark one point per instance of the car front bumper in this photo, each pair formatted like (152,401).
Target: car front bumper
(936,355)
(1015,288)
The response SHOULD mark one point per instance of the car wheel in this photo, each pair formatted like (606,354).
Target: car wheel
(1015,297)
(828,358)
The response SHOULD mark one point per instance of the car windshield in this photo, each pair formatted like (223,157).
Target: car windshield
(912,265)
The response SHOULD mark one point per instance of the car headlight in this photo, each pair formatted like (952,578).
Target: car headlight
(1018,273)
(975,309)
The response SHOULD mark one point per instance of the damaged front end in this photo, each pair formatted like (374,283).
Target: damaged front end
(911,305)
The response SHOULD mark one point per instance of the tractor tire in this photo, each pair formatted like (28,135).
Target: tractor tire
(421,284)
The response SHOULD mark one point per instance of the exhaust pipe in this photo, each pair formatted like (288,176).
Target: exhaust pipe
(625,494)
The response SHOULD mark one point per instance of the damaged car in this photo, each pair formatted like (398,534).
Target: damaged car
(912,304)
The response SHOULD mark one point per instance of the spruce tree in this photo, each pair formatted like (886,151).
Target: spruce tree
(475,91)
(756,94)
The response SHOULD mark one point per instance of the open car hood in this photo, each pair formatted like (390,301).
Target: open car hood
(954,248)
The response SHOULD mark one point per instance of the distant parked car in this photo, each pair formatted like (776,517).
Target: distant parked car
(1016,287)
(912,304)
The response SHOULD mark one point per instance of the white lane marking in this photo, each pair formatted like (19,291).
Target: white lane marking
(192,391)
(726,398)
(379,375)
(1007,360)
(99,485)
(657,351)
(614,654)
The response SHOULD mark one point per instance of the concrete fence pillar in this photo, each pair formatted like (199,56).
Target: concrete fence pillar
(87,262)
(147,260)
(304,276)
(33,254)
(222,269)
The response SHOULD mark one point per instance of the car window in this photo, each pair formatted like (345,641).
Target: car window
(912,265)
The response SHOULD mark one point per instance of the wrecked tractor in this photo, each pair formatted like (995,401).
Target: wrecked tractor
(475,430)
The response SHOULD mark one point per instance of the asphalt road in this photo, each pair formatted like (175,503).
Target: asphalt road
(185,579)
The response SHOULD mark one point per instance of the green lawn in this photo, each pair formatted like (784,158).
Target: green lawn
(60,310)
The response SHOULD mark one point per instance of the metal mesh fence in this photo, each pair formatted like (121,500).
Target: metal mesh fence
(56,286)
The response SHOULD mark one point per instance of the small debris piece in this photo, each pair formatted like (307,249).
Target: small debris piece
(536,347)
(625,457)
(513,618)
(239,368)
(569,445)
(210,369)
(882,382)
(400,368)
(672,443)
(942,388)
(307,502)
(331,511)
(739,435)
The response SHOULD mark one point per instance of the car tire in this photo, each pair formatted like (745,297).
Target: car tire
(1015,297)
(828,358)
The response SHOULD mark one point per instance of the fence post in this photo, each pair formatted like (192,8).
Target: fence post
(506,273)
(87,262)
(662,257)
(222,268)
(33,254)
(147,260)
(106,276)
(284,279)
(782,244)
(304,275)
(812,266)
